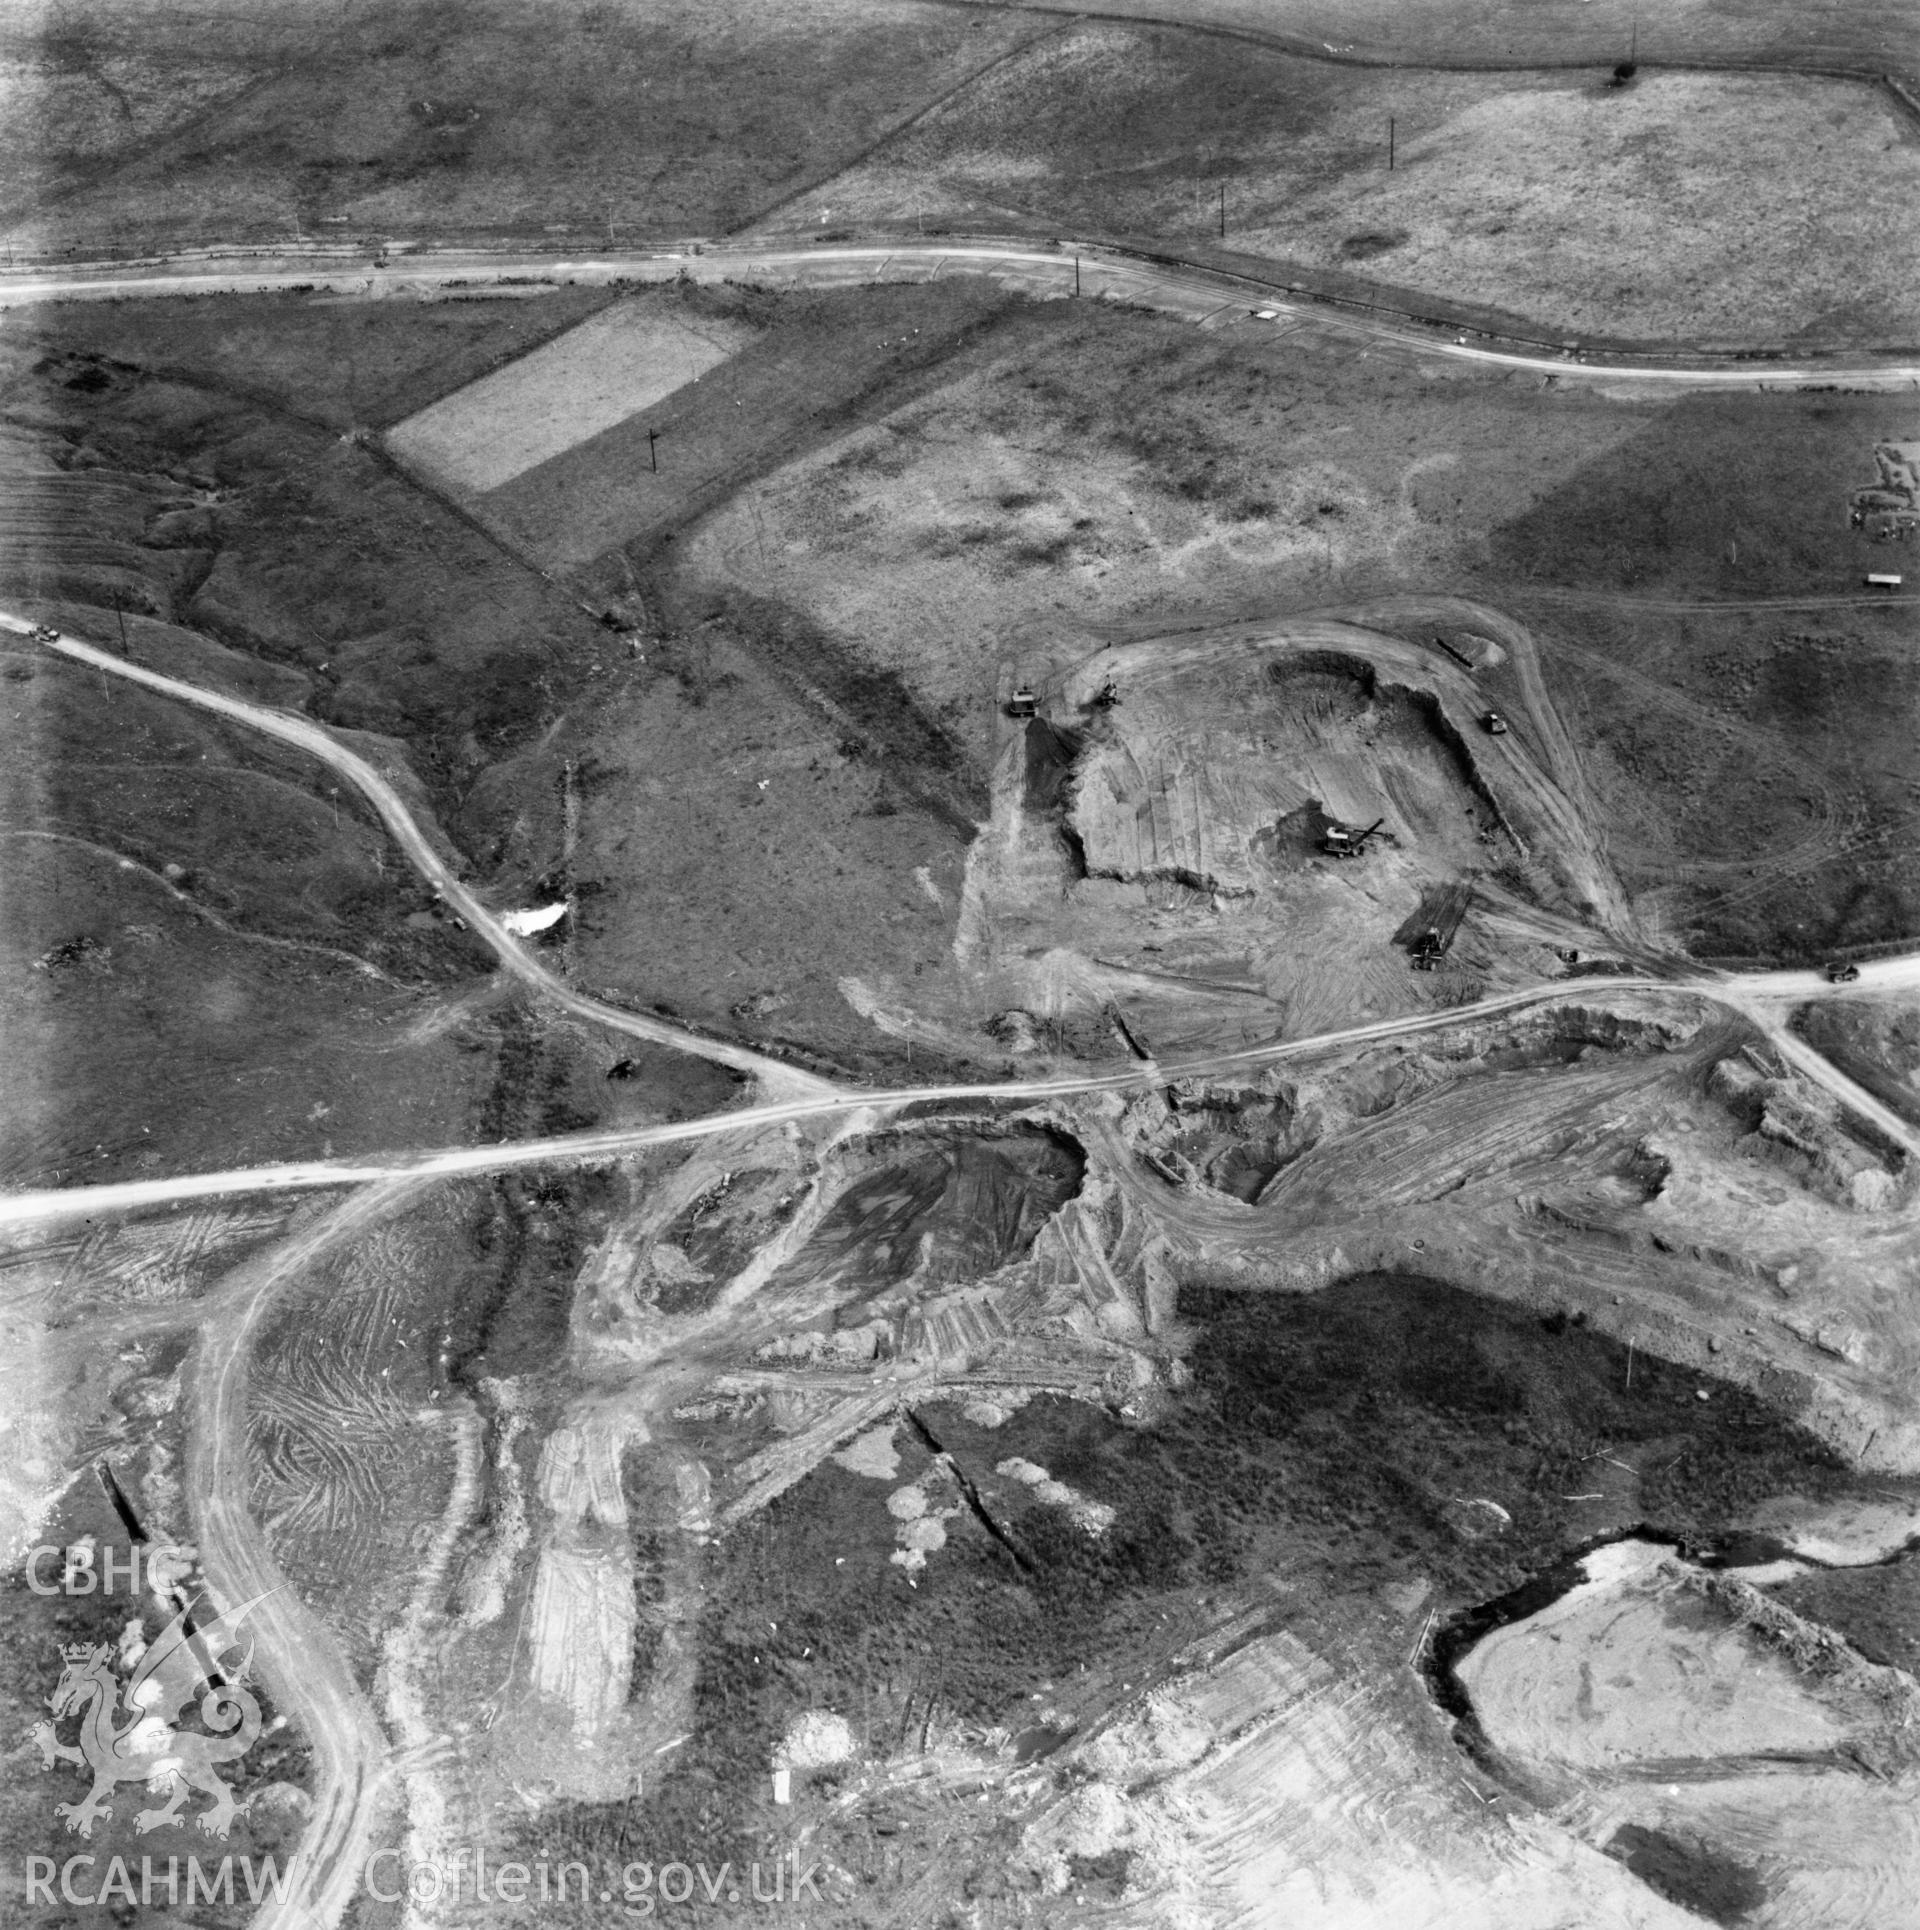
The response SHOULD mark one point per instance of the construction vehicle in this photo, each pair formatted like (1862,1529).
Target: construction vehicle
(1347,840)
(45,633)
(1494,724)
(1107,695)
(1429,932)
(1841,973)
(1023,703)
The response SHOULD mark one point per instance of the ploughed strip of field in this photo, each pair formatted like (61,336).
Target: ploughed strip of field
(97,534)
(1744,1761)
(621,361)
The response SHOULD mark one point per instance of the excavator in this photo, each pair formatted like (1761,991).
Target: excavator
(1346,840)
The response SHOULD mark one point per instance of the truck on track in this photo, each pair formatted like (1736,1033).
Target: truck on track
(1429,931)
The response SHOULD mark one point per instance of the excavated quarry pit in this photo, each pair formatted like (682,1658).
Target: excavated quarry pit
(940,1204)
(1231,799)
(1159,841)
(1673,1705)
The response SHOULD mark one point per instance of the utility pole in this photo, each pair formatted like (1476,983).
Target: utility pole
(653,436)
(1223,211)
(1076,274)
(1389,143)
(121,617)
(1633,42)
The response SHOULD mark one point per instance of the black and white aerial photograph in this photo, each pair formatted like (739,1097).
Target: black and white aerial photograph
(960,964)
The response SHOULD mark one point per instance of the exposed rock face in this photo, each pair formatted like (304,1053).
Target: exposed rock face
(1801,1125)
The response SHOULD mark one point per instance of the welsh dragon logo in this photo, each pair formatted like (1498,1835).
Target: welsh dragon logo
(180,1664)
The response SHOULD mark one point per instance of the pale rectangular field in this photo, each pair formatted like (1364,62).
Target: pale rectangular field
(613,365)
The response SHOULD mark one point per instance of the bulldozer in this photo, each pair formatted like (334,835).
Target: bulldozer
(1023,703)
(1348,840)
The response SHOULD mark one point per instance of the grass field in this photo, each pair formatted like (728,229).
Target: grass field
(1656,211)
(625,359)
(817,360)
(743,854)
(193,931)
(344,363)
(1720,496)
(213,506)
(1757,771)
(643,118)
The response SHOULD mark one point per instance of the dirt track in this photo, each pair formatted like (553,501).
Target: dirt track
(301,1662)
(419,851)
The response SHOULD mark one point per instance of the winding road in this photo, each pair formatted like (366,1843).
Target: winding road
(1092,270)
(300,1661)
(485,923)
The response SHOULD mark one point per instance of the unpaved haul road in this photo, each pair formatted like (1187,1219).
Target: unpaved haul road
(304,1668)
(1088,268)
(1757,997)
(431,866)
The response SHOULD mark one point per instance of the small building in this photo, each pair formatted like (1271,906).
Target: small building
(1882,580)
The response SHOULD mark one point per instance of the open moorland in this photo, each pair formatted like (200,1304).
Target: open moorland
(1649,211)
(1535,187)
(650,121)
(1801,716)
